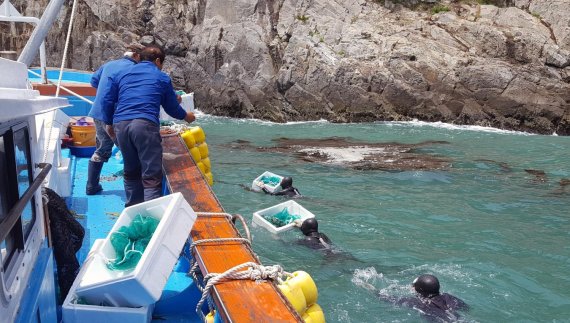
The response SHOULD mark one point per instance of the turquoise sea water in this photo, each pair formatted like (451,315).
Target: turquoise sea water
(496,236)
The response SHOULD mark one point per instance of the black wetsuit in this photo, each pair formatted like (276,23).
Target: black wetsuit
(289,191)
(317,241)
(440,308)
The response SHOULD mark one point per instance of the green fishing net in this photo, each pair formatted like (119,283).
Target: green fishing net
(282,218)
(273,181)
(130,242)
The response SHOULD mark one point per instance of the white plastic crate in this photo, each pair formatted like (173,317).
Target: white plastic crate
(187,104)
(142,285)
(291,206)
(255,187)
(73,312)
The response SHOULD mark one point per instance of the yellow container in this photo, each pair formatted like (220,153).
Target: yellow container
(314,314)
(188,139)
(195,152)
(304,281)
(199,135)
(207,164)
(295,297)
(209,178)
(83,136)
(203,150)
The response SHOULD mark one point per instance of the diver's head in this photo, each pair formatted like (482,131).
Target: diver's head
(309,226)
(426,285)
(286,182)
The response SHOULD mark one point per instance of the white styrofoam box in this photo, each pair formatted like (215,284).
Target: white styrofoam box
(255,187)
(142,285)
(73,312)
(187,104)
(291,206)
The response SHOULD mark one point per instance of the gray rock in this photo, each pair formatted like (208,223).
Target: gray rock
(345,61)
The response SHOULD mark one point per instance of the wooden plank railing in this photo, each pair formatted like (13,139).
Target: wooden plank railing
(238,300)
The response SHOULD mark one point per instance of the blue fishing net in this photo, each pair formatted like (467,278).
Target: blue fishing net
(131,241)
(282,218)
(271,180)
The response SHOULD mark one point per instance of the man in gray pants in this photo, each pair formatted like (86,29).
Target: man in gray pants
(104,143)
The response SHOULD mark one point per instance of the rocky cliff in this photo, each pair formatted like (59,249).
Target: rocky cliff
(347,60)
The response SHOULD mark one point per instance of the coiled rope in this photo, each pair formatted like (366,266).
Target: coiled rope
(255,272)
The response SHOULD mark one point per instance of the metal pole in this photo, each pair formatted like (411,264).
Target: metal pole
(43,63)
(40,32)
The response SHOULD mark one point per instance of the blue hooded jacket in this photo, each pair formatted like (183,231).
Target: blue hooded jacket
(138,93)
(100,80)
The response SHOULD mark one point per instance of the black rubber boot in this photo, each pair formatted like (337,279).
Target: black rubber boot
(93,173)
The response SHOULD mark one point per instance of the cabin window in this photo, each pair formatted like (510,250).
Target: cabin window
(24,176)
(3,199)
(16,176)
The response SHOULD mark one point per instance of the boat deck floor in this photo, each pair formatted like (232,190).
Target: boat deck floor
(98,213)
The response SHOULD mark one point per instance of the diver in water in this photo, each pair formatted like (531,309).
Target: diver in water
(313,238)
(287,188)
(429,301)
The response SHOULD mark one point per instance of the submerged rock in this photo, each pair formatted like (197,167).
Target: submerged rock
(539,175)
(343,152)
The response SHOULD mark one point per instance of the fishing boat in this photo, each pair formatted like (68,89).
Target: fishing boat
(216,278)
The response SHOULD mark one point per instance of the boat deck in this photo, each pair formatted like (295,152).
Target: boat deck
(98,213)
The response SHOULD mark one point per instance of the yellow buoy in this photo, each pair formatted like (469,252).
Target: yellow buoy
(201,167)
(314,314)
(210,178)
(210,318)
(203,150)
(304,281)
(295,297)
(199,135)
(206,162)
(188,139)
(195,152)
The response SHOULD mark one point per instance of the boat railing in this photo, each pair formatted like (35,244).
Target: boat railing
(14,214)
(9,14)
(79,96)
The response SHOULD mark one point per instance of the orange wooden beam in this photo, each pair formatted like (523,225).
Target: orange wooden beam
(79,88)
(238,300)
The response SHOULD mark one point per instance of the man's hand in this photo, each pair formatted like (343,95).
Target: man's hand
(190,117)
(110,131)
(179,98)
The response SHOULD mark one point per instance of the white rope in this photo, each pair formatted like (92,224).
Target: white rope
(219,240)
(175,128)
(48,139)
(65,48)
(255,272)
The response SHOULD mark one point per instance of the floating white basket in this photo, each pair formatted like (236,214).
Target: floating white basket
(292,207)
(271,188)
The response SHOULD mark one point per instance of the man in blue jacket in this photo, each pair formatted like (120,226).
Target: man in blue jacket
(138,94)
(104,143)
